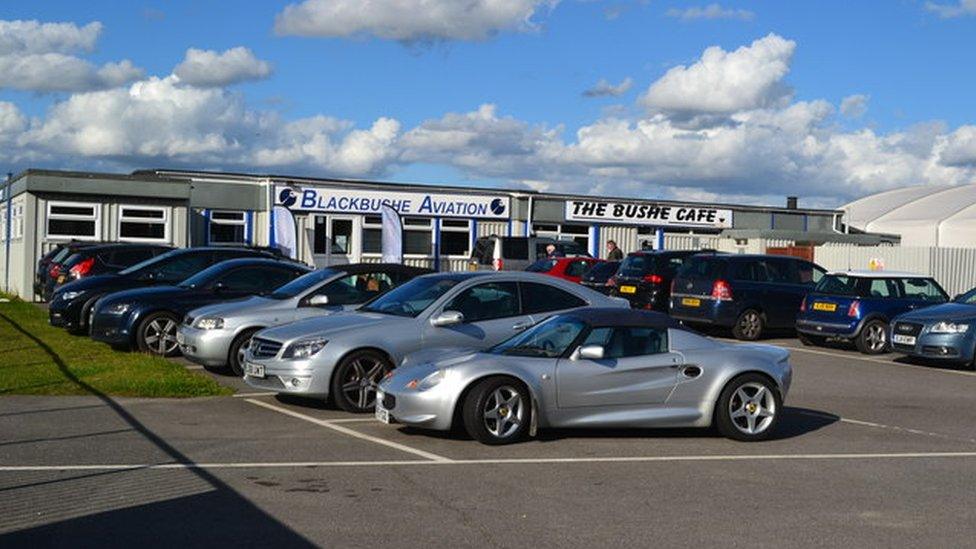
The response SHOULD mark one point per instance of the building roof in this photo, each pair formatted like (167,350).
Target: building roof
(925,215)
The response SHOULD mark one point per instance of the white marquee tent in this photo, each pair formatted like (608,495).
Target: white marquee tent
(939,216)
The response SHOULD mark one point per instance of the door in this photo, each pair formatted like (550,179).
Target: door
(335,240)
(491,315)
(637,369)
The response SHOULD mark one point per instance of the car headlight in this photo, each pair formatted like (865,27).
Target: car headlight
(118,308)
(210,323)
(305,348)
(949,328)
(426,383)
(68,296)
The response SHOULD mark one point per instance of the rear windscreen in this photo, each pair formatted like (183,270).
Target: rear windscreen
(838,285)
(709,268)
(515,248)
(636,265)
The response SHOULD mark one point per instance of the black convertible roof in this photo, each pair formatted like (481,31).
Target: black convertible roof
(359,268)
(609,316)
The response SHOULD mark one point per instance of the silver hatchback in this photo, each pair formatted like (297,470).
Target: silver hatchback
(345,355)
(216,335)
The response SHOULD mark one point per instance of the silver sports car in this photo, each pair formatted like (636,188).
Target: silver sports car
(592,367)
(345,355)
(216,335)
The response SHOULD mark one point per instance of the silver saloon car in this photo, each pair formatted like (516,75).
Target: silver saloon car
(343,356)
(216,335)
(592,368)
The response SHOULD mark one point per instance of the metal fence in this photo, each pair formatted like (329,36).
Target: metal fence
(954,268)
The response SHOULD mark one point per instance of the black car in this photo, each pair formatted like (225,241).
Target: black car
(598,276)
(72,303)
(147,319)
(644,278)
(102,259)
(49,266)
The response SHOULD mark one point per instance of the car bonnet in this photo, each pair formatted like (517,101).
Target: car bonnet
(335,324)
(944,311)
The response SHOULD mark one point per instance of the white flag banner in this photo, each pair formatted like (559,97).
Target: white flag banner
(285,231)
(392,235)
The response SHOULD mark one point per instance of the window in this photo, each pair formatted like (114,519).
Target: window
(256,279)
(127,257)
(752,271)
(372,234)
(626,341)
(228,227)
(883,287)
(780,271)
(417,237)
(577,268)
(486,302)
(923,288)
(542,298)
(181,267)
(455,237)
(809,273)
(73,220)
(143,223)
(579,233)
(355,289)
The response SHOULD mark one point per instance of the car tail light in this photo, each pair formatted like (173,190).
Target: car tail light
(803,304)
(82,268)
(854,311)
(721,291)
(54,270)
(653,279)
(499,264)
(612,282)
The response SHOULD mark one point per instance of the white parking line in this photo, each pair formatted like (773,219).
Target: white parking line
(345,430)
(872,424)
(501,461)
(248,395)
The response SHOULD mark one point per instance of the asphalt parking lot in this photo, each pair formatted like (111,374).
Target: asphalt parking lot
(871,452)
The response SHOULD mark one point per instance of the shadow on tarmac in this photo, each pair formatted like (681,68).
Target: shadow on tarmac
(218,516)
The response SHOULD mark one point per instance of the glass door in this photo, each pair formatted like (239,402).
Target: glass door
(335,240)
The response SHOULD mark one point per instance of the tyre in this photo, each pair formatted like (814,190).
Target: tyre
(85,318)
(749,326)
(157,334)
(355,379)
(235,355)
(748,409)
(811,340)
(873,339)
(497,410)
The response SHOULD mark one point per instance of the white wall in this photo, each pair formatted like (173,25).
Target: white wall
(953,268)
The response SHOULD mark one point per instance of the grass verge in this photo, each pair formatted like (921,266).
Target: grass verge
(38,359)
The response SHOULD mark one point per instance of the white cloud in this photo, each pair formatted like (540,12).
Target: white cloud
(603,88)
(854,106)
(408,20)
(724,82)
(36,57)
(209,68)
(949,11)
(959,148)
(711,11)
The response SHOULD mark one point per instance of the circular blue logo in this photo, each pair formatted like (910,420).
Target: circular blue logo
(497,206)
(287,197)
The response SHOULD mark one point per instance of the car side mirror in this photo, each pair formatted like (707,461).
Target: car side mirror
(591,352)
(447,318)
(318,300)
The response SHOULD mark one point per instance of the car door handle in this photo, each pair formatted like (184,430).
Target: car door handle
(521,326)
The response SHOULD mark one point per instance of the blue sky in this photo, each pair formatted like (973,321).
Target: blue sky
(910,61)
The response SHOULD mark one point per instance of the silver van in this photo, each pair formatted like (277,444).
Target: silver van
(515,253)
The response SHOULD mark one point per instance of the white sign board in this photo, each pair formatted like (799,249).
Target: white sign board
(659,215)
(316,199)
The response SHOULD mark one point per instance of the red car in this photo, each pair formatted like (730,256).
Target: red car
(567,268)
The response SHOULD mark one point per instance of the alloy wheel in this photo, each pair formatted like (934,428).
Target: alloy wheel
(876,337)
(750,325)
(504,411)
(752,408)
(160,336)
(362,377)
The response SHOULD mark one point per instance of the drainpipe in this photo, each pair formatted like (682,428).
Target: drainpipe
(10,200)
(528,219)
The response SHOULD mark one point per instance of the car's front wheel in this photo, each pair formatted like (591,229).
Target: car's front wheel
(748,408)
(157,334)
(497,411)
(355,380)
(235,355)
(873,339)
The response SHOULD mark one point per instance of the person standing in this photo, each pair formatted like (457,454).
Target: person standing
(613,252)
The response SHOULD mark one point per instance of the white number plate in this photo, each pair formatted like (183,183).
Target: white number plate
(903,339)
(382,414)
(254,370)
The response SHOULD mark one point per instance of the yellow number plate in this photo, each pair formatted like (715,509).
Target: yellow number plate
(827,307)
(628,289)
(690,301)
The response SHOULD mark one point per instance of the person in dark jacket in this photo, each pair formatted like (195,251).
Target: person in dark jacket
(613,252)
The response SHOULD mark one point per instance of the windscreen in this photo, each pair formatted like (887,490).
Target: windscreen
(602,272)
(550,339)
(636,266)
(541,266)
(302,284)
(411,298)
(708,268)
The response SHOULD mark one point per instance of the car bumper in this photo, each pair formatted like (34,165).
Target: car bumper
(827,329)
(206,347)
(112,329)
(64,315)
(948,347)
(431,409)
(709,311)
(280,376)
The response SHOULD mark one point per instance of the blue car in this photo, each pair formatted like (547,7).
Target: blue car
(945,332)
(148,319)
(747,293)
(858,306)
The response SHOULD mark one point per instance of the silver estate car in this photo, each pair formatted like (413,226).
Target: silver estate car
(344,356)
(592,368)
(216,335)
